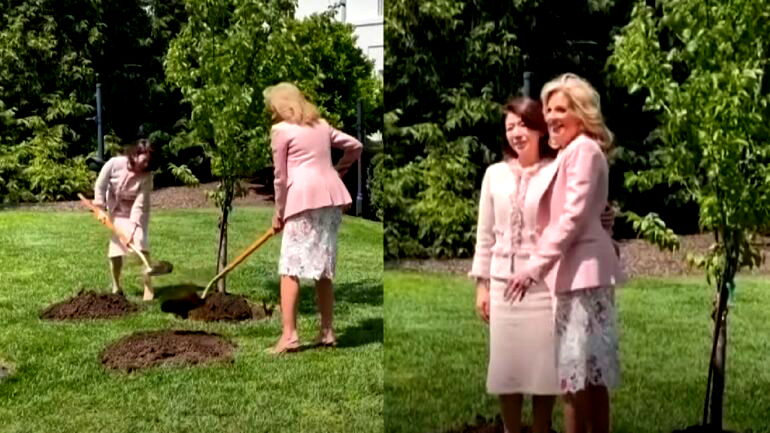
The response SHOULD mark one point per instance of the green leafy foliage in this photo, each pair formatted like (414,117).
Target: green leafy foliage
(700,67)
(450,65)
(45,71)
(653,229)
(52,55)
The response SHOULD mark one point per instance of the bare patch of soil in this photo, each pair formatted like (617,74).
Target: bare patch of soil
(149,349)
(90,305)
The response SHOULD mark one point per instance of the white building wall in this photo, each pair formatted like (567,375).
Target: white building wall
(367,18)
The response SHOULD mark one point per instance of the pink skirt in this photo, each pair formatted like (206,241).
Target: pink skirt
(522,343)
(124,224)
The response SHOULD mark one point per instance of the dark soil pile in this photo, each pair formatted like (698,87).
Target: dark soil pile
(90,305)
(148,349)
(222,306)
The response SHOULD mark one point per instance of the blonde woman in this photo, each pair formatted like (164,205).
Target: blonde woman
(575,255)
(309,201)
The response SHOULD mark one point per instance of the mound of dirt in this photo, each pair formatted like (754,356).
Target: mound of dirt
(148,349)
(90,305)
(227,307)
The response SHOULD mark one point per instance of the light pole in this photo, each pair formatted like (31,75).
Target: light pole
(96,163)
(527,87)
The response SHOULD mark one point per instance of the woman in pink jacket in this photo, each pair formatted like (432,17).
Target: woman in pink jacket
(521,337)
(123,187)
(575,257)
(309,200)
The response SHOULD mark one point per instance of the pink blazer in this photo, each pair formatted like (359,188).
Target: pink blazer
(574,251)
(304,175)
(124,193)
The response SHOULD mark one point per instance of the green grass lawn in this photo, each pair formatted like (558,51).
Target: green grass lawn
(59,385)
(435,362)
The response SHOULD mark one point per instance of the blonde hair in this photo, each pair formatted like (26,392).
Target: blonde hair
(584,102)
(287,103)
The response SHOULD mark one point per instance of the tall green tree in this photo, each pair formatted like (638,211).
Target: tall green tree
(700,66)
(228,53)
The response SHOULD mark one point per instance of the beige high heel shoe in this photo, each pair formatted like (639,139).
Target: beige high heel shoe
(287,347)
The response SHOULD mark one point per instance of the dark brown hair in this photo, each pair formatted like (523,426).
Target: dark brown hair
(141,147)
(531,112)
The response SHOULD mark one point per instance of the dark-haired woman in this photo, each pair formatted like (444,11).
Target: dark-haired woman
(123,187)
(521,337)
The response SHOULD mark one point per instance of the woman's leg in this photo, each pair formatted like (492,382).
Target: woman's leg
(116,265)
(598,409)
(289,303)
(149,294)
(576,412)
(510,408)
(542,408)
(325,300)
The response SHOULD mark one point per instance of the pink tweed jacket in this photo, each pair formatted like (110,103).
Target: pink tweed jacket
(124,193)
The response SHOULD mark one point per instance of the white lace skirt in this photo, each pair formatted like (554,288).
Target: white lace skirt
(587,339)
(309,244)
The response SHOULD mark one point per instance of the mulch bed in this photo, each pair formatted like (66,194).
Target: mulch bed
(149,349)
(217,307)
(174,197)
(638,257)
(90,305)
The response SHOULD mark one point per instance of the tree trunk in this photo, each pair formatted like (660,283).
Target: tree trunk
(719,365)
(228,188)
(222,253)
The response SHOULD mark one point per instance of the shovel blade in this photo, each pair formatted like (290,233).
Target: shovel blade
(161,268)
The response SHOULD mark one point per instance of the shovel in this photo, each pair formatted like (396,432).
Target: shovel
(160,268)
(247,252)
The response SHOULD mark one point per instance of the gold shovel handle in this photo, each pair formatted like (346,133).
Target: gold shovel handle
(247,252)
(104,218)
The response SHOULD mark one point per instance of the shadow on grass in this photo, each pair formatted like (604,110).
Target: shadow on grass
(367,292)
(366,332)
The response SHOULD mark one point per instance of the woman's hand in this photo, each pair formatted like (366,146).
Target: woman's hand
(608,217)
(277,223)
(482,300)
(517,287)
